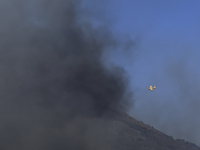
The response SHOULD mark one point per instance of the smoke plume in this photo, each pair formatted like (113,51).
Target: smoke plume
(51,73)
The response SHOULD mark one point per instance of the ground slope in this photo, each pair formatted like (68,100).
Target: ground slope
(119,131)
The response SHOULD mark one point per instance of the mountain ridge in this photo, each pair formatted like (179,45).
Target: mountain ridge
(131,133)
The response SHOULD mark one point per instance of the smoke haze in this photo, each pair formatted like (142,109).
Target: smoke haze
(52,72)
(174,106)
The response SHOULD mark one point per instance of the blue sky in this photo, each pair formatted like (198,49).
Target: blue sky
(165,52)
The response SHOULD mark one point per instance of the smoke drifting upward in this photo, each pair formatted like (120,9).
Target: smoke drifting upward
(174,111)
(52,71)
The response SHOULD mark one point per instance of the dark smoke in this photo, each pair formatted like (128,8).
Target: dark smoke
(51,73)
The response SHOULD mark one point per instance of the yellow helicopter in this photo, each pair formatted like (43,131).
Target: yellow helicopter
(152,88)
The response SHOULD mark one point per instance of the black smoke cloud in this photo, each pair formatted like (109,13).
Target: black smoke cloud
(52,72)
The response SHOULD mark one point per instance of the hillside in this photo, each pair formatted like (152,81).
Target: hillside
(119,131)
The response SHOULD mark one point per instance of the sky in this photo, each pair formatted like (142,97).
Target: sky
(164,52)
(57,64)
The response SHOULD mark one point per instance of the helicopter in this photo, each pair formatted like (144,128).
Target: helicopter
(152,88)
